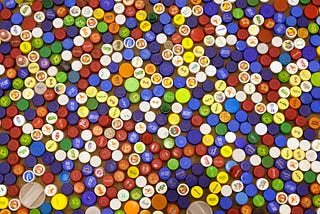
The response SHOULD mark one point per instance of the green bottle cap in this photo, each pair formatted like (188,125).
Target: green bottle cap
(61,77)
(152,17)
(313,28)
(253,138)
(22,105)
(136,194)
(267,162)
(168,143)
(92,104)
(304,1)
(237,13)
(47,4)
(221,129)
(131,84)
(134,97)
(18,83)
(37,43)
(285,128)
(315,79)
(212,172)
(55,59)
(4,152)
(56,47)
(262,150)
(283,76)
(258,200)
(165,108)
(204,110)
(316,200)
(267,118)
(5,101)
(45,52)
(169,97)
(277,184)
(74,202)
(183,95)
(252,3)
(65,144)
(25,140)
(119,212)
(309,177)
(102,27)
(68,20)
(124,32)
(80,22)
(35,211)
(173,164)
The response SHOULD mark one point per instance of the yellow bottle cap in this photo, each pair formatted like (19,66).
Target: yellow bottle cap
(112,101)
(114,112)
(296,132)
(283,103)
(25,47)
(220,85)
(174,119)
(215,187)
(59,201)
(207,140)
(33,67)
(51,146)
(178,19)
(198,51)
(98,13)
(226,151)
(294,80)
(30,82)
(305,74)
(83,111)
(286,153)
(295,91)
(196,192)
(208,99)
(212,199)
(188,57)
(141,15)
(133,172)
(102,97)
(278,118)
(145,26)
(222,177)
(318,50)
(51,82)
(183,71)
(5,211)
(145,82)
(91,91)
(297,176)
(187,43)
(216,108)
(225,117)
(299,154)
(4,201)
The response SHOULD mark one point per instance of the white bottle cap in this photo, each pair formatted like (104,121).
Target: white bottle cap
(84,157)
(60,155)
(238,155)
(304,165)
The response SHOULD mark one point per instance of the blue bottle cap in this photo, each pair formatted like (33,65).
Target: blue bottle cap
(309,53)
(37,148)
(166,69)
(145,54)
(67,44)
(192,22)
(23,73)
(313,66)
(106,85)
(290,187)
(185,163)
(156,59)
(213,151)
(45,208)
(241,198)
(273,207)
(172,196)
(197,169)
(172,183)
(113,67)
(120,92)
(165,18)
(38,100)
(212,119)
(4,168)
(285,175)
(87,169)
(16,18)
(229,164)
(154,47)
(194,136)
(88,198)
(225,203)
(107,38)
(306,98)
(64,177)
(280,163)
(168,3)
(157,27)
(241,116)
(245,128)
(1,179)
(90,182)
(77,143)
(180,174)
(124,103)
(279,29)
(138,116)
(250,149)
(147,156)
(169,29)
(4,139)
(180,141)
(281,141)
(241,4)
(279,18)
(303,22)
(111,166)
(6,25)
(266,10)
(291,21)
(46,26)
(93,117)
(251,190)
(186,113)
(210,52)
(273,129)
(255,67)
(67,165)
(231,66)
(30,161)
(181,3)
(246,178)
(198,92)
(266,74)
(3,113)
(302,189)
(48,38)
(103,109)
(72,91)
(250,54)
(314,40)
(250,12)
(310,211)
(204,181)
(220,141)
(185,125)
(133,137)
(128,54)
(158,91)
(55,168)
(53,106)
(164,173)
(296,11)
(222,74)
(309,134)
(47,158)
(58,2)
(253,118)
(227,17)
(269,194)
(191,180)
(305,110)
(149,36)
(67,188)
(131,23)
(72,105)
(10,4)
(50,14)
(179,82)
(241,45)
(10,179)
(194,104)
(210,9)
(107,211)
(231,105)
(152,127)
(183,202)
(72,31)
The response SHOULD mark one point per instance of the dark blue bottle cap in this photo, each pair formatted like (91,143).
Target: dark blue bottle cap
(46,26)
(4,139)
(310,211)
(157,27)
(131,23)
(106,85)
(309,134)
(194,104)
(164,173)
(250,149)
(47,158)
(4,168)
(72,105)
(50,14)
(210,9)
(152,127)
(309,53)
(225,203)
(273,207)
(253,118)
(251,190)
(219,212)
(227,17)
(145,54)
(245,128)
(5,83)
(38,100)
(154,47)
(168,3)
(267,10)
(10,179)
(87,169)
(10,4)
(156,59)
(280,163)
(67,44)
(303,22)
(55,168)
(186,113)
(23,73)
(179,82)
(180,174)
(90,182)
(191,180)
(231,66)
(1,178)
(194,136)
(172,196)
(67,165)
(166,69)
(273,129)
(250,54)
(302,189)
(241,4)
(246,178)
(45,208)
(208,86)
(58,212)
(172,183)
(37,148)
(269,194)
(197,169)
(72,31)
(58,2)
(181,3)
(107,38)
(213,151)
(53,106)
(279,29)
(88,198)
(306,98)
(133,137)
(204,181)
(222,74)
(296,11)
(213,119)
(103,109)
(218,61)
(192,22)
(220,141)
(285,175)
(111,166)
(250,12)
(169,29)
(124,103)
(314,66)
(183,202)
(6,25)
(241,198)
(290,187)
(266,74)
(240,142)
(3,113)
(185,163)
(161,119)
(93,117)
(77,143)
(305,110)
(279,18)
(67,188)
(198,92)
(210,52)
(72,91)
(185,125)
(229,164)
(64,177)
(120,92)
(138,116)
(245,165)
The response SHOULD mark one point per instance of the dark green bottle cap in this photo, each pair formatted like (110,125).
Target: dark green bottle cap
(204,110)
(25,140)
(102,27)
(55,59)
(68,20)
(5,101)
(221,129)
(80,22)
(304,1)
(253,3)
(61,77)
(4,152)
(134,97)
(285,128)
(262,150)
(267,162)
(212,172)
(37,43)
(283,76)
(165,108)
(18,83)
(136,194)
(169,97)
(124,32)
(277,184)
(253,138)
(92,104)
(309,177)
(22,105)
(258,200)
(65,144)
(47,3)
(267,118)
(56,47)
(45,52)
(152,17)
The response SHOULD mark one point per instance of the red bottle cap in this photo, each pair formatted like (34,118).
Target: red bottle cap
(145,169)
(76,175)
(47,178)
(259,171)
(73,132)
(201,150)
(176,153)
(273,173)
(268,139)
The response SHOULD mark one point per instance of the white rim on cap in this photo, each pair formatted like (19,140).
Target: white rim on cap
(75,11)
(144,106)
(237,186)
(145,203)
(141,181)
(125,114)
(117,155)
(230,137)
(73,154)
(293,199)
(292,164)
(50,190)
(161,187)
(140,127)
(311,155)
(255,160)
(305,145)
(57,23)
(201,76)
(176,107)
(93,210)
(84,157)
(155,102)
(19,120)
(148,191)
(306,86)
(81,98)
(316,145)
(25,10)
(226,190)
(3,190)
(105,60)
(285,209)
(249,88)
(304,165)
(23,151)
(261,129)
(115,204)
(221,30)
(216,20)
(262,48)
(315,166)
(163,132)
(123,195)
(272,108)
(87,11)
(205,128)
(238,155)
(90,146)
(220,41)
(274,152)
(76,65)
(37,32)
(241,96)
(95,161)
(150,116)
(206,160)
(186,11)
(211,71)
(277,41)
(78,40)
(318,178)
(136,61)
(60,155)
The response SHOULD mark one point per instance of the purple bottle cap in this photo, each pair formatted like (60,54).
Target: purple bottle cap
(46,26)
(245,165)
(154,47)
(304,110)
(44,63)
(172,196)
(47,158)
(210,52)
(157,27)
(231,66)
(309,53)
(73,118)
(208,86)
(107,38)
(5,48)
(103,109)
(236,55)
(30,161)
(192,22)
(210,9)
(87,169)
(183,202)
(111,166)
(6,25)
(185,125)
(4,139)
(88,198)
(204,181)
(73,32)
(302,189)
(166,69)
(197,169)
(194,136)
(156,59)
(309,134)
(310,211)
(198,92)
(58,2)
(4,168)
(161,119)
(168,3)
(191,180)
(2,110)
(67,188)
(53,106)
(138,116)
(241,4)
(273,129)
(90,182)
(253,118)
(120,92)
(250,54)
(303,22)
(55,168)
(30,114)
(38,100)
(1,178)
(79,211)
(213,151)
(217,62)
(266,75)
(10,179)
